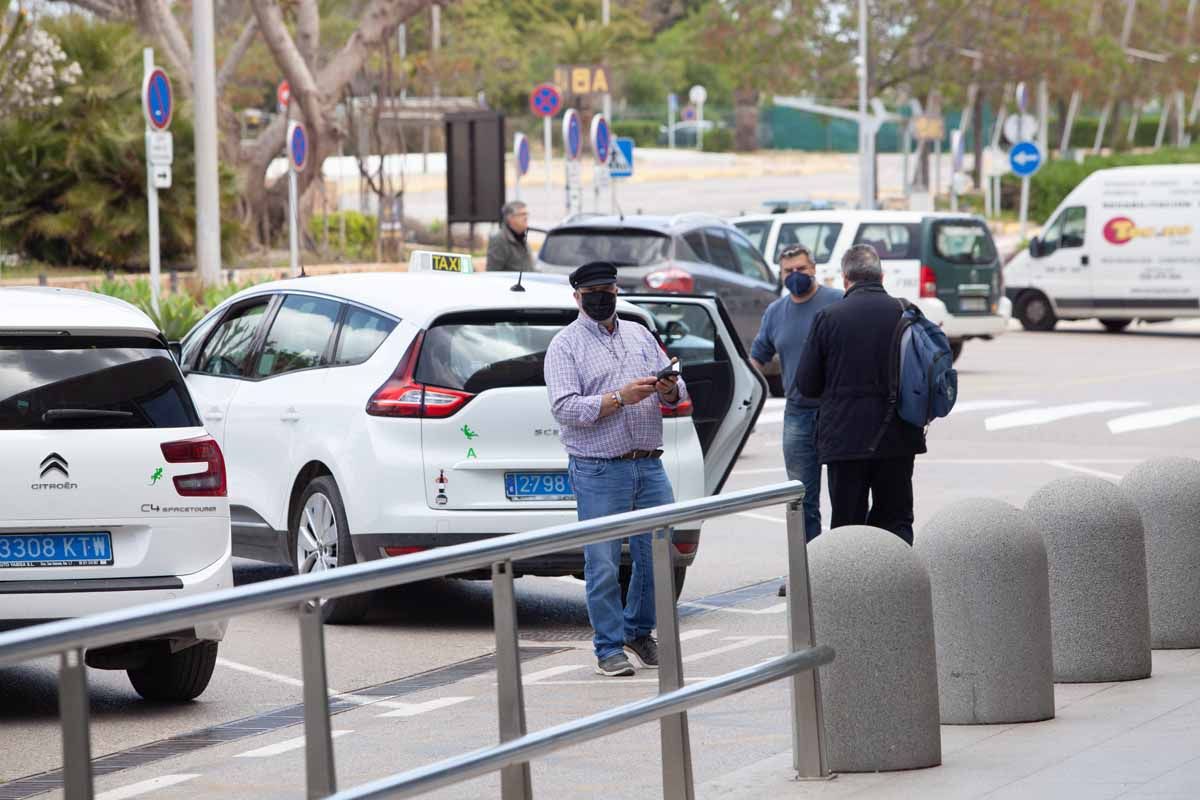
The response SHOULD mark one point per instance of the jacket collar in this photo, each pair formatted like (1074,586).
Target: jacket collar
(866,286)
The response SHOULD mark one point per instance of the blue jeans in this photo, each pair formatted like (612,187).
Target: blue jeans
(604,487)
(800,460)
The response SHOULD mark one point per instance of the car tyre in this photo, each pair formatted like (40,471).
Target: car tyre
(626,575)
(175,677)
(319,540)
(1035,312)
(956,347)
(1115,325)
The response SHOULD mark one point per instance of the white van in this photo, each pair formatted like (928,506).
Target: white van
(1122,246)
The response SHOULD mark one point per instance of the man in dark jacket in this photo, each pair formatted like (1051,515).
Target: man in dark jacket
(847,364)
(508,250)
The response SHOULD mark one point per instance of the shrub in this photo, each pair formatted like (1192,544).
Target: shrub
(719,140)
(359,242)
(644,132)
(178,313)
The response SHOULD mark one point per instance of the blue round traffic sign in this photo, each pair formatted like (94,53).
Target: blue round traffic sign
(522,152)
(157,102)
(1025,158)
(298,146)
(545,100)
(572,137)
(601,139)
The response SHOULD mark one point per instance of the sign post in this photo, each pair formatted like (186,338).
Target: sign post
(697,94)
(521,154)
(601,140)
(572,146)
(545,101)
(620,164)
(1025,158)
(297,150)
(672,113)
(158,108)
(956,165)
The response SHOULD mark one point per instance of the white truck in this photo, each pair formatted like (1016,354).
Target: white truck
(1122,246)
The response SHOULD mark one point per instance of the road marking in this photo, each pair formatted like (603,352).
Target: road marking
(1153,419)
(1085,470)
(775,609)
(285,746)
(416,709)
(761,517)
(759,471)
(567,579)
(135,789)
(262,673)
(541,675)
(773,418)
(1040,416)
(696,633)
(604,681)
(989,405)
(740,643)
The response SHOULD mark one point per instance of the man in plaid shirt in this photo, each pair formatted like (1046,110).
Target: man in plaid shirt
(601,376)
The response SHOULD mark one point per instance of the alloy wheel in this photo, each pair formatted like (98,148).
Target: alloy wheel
(317,536)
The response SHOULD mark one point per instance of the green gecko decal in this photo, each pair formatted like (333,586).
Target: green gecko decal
(467,432)
(156,476)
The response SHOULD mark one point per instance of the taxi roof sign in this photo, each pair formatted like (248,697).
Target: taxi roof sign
(431,261)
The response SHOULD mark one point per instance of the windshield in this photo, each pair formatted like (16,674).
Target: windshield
(625,247)
(963,243)
(756,232)
(90,383)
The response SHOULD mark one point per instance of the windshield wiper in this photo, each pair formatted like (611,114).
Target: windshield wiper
(84,413)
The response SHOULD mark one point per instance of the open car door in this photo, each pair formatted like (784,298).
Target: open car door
(727,392)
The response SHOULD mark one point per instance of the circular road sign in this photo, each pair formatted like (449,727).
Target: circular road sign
(545,100)
(572,136)
(283,94)
(521,151)
(157,102)
(698,94)
(689,114)
(1019,127)
(297,141)
(601,139)
(1025,158)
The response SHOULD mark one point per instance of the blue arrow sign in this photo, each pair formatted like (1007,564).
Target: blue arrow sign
(298,146)
(157,102)
(1025,158)
(621,165)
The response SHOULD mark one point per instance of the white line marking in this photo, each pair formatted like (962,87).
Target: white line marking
(285,746)
(740,643)
(769,418)
(1153,419)
(964,461)
(541,675)
(567,579)
(1085,470)
(262,673)
(1040,416)
(602,681)
(761,517)
(415,709)
(775,609)
(988,405)
(135,789)
(696,634)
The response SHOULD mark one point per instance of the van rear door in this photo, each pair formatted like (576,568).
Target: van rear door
(899,247)
(965,264)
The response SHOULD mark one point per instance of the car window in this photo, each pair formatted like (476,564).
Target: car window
(891,240)
(192,342)
(719,250)
(228,349)
(91,383)
(751,262)
(819,237)
(362,333)
(1051,235)
(570,247)
(1074,226)
(693,248)
(686,331)
(756,232)
(298,336)
(963,242)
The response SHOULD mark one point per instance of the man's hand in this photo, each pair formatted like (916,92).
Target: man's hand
(668,388)
(638,390)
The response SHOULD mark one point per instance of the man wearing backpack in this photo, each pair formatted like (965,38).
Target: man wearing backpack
(849,364)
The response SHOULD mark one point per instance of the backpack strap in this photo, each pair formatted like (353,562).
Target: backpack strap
(893,374)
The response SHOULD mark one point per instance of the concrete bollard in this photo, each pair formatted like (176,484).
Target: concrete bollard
(991,612)
(871,603)
(1096,552)
(1167,492)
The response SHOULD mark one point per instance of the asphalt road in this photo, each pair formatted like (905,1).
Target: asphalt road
(1032,408)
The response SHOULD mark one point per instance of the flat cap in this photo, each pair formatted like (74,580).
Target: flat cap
(594,273)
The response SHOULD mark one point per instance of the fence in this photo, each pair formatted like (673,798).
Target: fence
(69,638)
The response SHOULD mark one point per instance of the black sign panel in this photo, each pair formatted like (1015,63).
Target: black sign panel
(475,147)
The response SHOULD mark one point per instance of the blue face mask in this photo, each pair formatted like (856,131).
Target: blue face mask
(799,283)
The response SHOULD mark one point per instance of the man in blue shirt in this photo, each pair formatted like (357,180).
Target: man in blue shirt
(784,331)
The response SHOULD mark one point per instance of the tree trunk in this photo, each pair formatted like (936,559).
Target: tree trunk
(977,130)
(745,109)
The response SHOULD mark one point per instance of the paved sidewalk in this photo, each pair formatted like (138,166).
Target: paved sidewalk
(1139,739)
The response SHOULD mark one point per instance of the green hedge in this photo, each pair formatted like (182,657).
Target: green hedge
(644,132)
(718,140)
(1083,132)
(178,313)
(359,244)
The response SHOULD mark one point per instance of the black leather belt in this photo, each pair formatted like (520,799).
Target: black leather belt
(636,454)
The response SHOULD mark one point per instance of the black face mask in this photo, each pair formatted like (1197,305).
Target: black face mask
(600,306)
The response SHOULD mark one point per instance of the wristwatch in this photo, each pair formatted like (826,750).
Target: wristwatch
(617,397)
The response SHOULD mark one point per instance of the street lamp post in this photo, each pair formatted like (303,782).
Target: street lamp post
(208,204)
(866,139)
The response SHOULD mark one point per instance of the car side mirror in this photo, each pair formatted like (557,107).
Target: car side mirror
(1035,247)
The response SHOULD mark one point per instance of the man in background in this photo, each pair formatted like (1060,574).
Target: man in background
(508,249)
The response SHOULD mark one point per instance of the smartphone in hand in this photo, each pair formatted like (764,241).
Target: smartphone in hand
(669,370)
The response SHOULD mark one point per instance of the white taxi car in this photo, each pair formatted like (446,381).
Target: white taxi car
(112,494)
(372,415)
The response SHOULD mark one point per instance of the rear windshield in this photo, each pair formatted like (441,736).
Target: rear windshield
(88,383)
(756,232)
(477,352)
(625,247)
(963,243)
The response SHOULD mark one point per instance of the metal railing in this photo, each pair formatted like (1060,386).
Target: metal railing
(69,639)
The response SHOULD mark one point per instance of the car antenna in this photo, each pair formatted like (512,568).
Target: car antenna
(517,287)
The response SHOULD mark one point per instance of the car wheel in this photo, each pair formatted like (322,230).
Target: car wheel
(956,346)
(626,574)
(1115,325)
(1035,312)
(775,383)
(320,541)
(176,677)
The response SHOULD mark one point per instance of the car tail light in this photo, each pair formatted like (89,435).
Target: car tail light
(211,482)
(681,409)
(402,551)
(671,279)
(403,396)
(687,548)
(928,281)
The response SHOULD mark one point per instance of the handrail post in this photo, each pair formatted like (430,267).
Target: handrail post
(809,755)
(515,781)
(320,775)
(676,743)
(76,738)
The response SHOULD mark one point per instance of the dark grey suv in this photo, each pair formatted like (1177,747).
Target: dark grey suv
(687,254)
